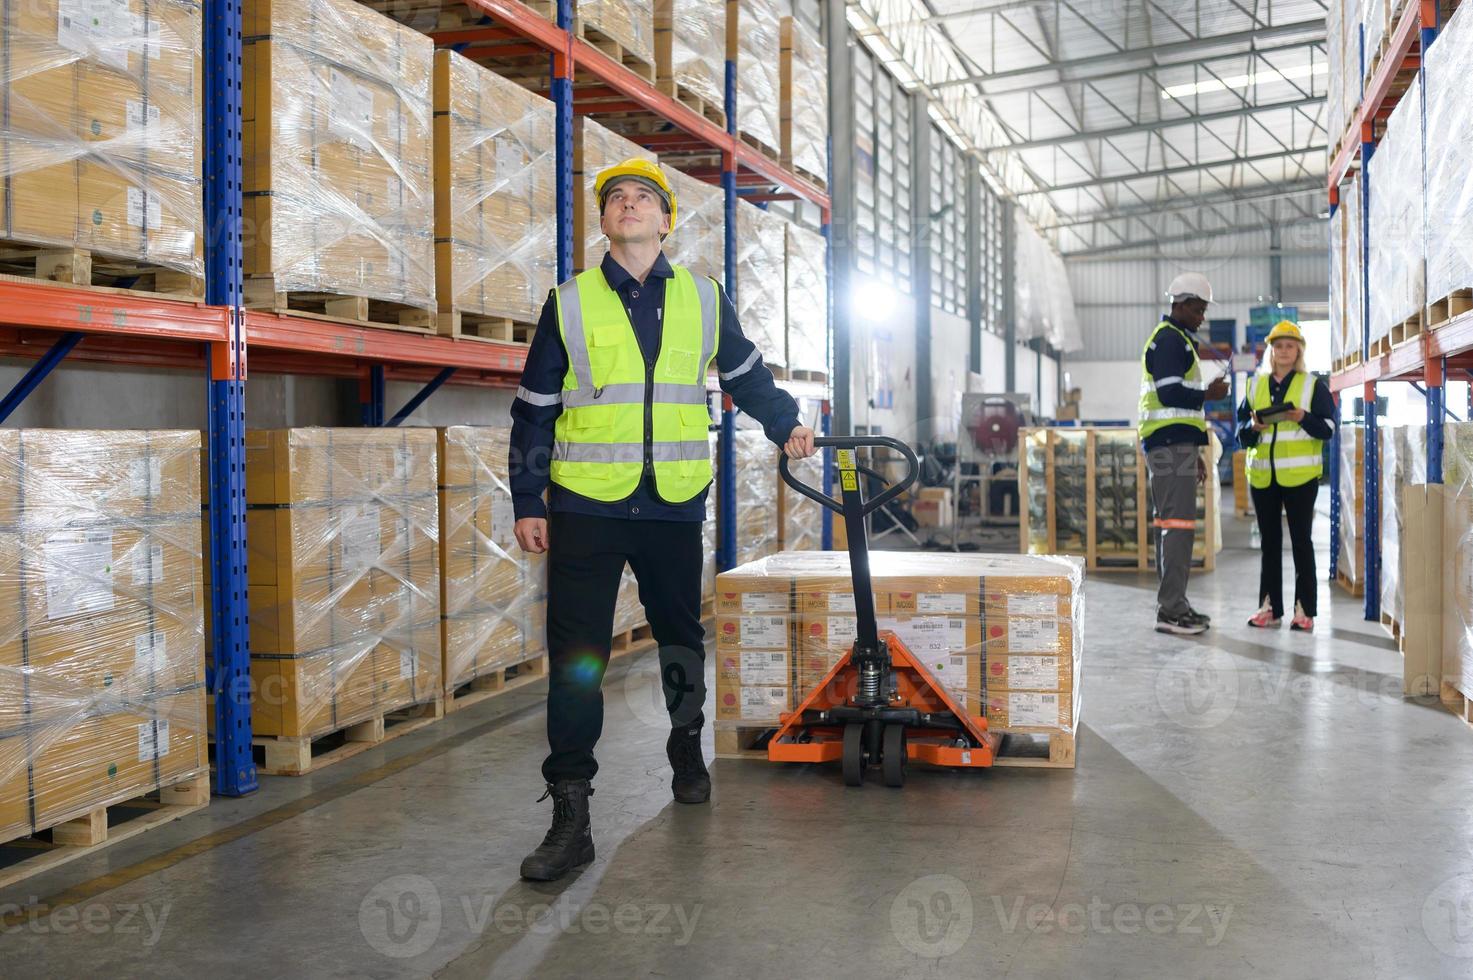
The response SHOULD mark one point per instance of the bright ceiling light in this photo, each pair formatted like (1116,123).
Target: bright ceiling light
(1244,81)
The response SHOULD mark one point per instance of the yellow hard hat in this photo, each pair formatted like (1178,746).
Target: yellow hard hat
(642,170)
(1283,329)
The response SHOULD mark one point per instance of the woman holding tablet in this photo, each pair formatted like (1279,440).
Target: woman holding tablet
(1284,423)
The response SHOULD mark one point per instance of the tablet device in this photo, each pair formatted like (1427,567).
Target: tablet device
(1274,413)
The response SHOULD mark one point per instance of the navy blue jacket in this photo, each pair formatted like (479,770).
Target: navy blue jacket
(743,376)
(1318,422)
(1170,356)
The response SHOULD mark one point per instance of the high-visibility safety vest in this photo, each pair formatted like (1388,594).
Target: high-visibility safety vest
(620,415)
(1284,450)
(1154,414)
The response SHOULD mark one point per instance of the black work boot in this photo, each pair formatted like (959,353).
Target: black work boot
(692,783)
(569,844)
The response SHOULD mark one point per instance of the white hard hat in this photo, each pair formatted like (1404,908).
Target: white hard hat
(1190,285)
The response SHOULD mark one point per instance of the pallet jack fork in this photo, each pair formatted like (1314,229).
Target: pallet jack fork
(879,705)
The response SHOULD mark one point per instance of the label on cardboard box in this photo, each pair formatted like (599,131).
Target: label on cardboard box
(951,672)
(841,602)
(1027,635)
(503,520)
(1030,710)
(153,740)
(350,111)
(148,566)
(150,652)
(140,116)
(765,631)
(929,636)
(842,630)
(1033,605)
(96,29)
(1028,673)
(764,602)
(79,573)
(361,533)
(152,33)
(763,702)
(941,602)
(764,667)
(144,210)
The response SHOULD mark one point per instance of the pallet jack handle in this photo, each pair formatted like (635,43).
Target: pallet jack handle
(854,508)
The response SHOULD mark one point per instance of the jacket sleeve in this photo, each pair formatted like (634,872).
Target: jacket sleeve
(749,381)
(1319,421)
(1168,359)
(1247,435)
(534,412)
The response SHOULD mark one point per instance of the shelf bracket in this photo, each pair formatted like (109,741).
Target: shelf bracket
(38,373)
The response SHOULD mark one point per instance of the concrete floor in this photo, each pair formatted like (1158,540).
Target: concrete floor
(1248,804)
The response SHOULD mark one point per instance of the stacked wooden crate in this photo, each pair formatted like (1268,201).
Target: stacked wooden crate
(100,144)
(622,29)
(495,203)
(102,666)
(337,175)
(803,84)
(690,54)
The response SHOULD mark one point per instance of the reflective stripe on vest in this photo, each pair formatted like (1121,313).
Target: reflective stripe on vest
(1154,413)
(1285,452)
(618,413)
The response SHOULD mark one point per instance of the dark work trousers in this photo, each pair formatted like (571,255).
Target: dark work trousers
(586,557)
(1298,503)
(1173,472)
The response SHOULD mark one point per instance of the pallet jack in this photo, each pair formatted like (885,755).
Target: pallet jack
(879,705)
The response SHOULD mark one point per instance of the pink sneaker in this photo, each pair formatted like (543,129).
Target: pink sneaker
(1301,623)
(1265,619)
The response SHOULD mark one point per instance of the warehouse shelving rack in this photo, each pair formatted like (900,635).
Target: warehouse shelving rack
(52,322)
(1424,362)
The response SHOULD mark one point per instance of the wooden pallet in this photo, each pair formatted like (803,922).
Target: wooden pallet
(761,148)
(1453,305)
(1054,750)
(1381,346)
(81,267)
(261,294)
(101,827)
(475,326)
(1409,329)
(299,756)
(1350,585)
(498,681)
(636,639)
(614,49)
(1392,626)
(692,100)
(1452,699)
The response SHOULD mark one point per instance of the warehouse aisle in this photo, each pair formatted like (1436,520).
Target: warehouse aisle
(1250,804)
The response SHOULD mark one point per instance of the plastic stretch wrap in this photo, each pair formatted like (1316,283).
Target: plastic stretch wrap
(495,193)
(100,137)
(761,271)
(596,148)
(1003,634)
(753,41)
(807,299)
(344,531)
(1351,79)
(690,46)
(1396,230)
(1374,14)
(698,240)
(1449,177)
(803,518)
(756,501)
(1045,302)
(629,22)
(102,663)
(804,83)
(338,140)
(493,594)
(1457,580)
(1335,108)
(628,610)
(1350,204)
(1403,463)
(1352,501)
(709,530)
(1337,286)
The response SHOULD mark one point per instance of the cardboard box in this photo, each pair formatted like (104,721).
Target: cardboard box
(932,507)
(1030,711)
(1067,412)
(1423,541)
(752,704)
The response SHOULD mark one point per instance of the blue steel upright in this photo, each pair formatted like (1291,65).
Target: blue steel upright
(562,107)
(726,544)
(235,769)
(1372,495)
(1334,469)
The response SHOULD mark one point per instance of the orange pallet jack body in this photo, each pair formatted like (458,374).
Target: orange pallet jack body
(879,705)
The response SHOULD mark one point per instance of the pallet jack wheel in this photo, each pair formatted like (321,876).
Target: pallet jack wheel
(854,754)
(893,757)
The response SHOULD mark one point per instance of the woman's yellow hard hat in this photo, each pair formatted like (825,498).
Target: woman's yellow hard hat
(1285,329)
(641,170)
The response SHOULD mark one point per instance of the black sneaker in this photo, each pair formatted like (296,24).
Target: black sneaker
(1182,625)
(569,842)
(1200,617)
(692,783)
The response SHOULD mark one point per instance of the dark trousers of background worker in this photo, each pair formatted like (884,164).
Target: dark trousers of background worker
(586,557)
(1173,472)
(1298,503)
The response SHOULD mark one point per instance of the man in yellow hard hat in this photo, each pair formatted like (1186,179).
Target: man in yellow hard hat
(611,420)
